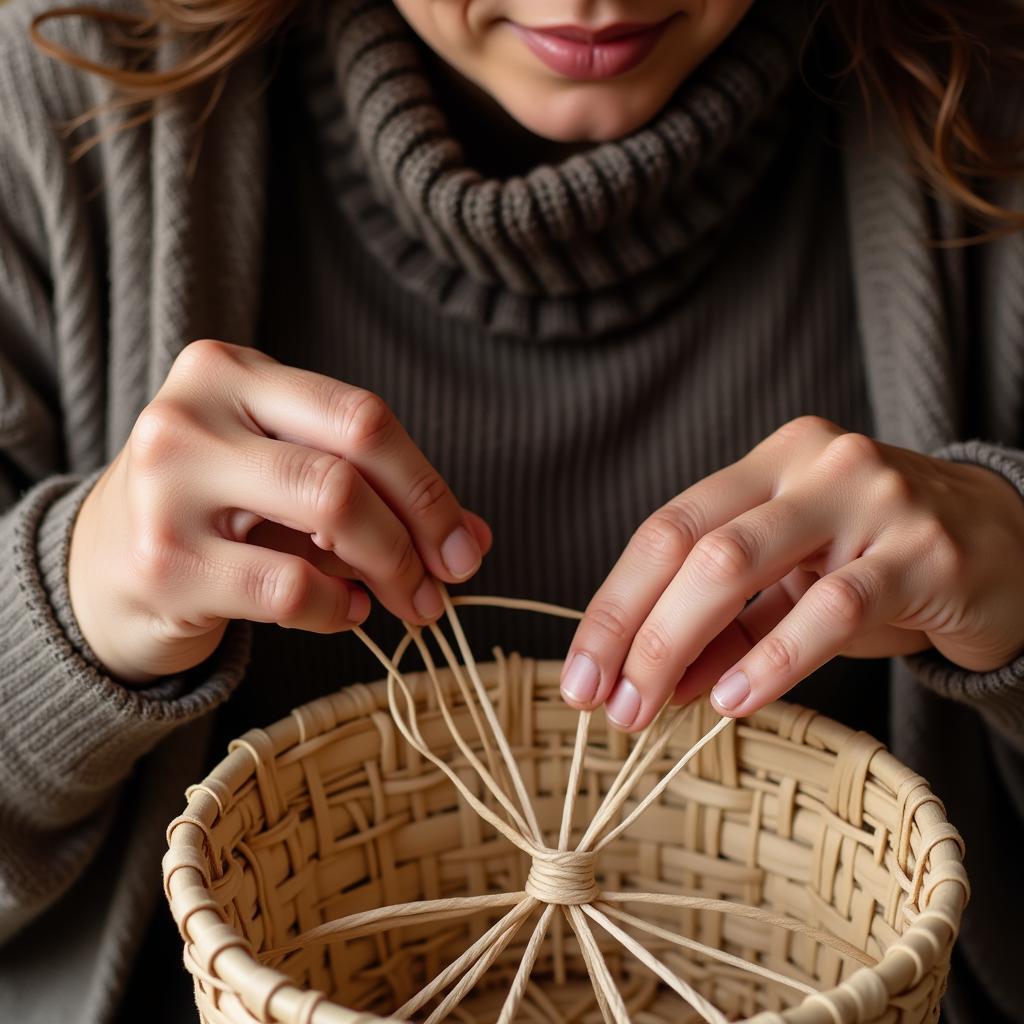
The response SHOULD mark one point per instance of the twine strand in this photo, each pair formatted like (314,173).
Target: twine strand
(609,998)
(564,878)
(561,882)
(682,988)
(637,763)
(703,949)
(477,971)
(488,707)
(517,990)
(573,782)
(409,728)
(719,726)
(489,778)
(457,967)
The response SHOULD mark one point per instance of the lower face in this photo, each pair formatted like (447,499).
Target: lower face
(575,70)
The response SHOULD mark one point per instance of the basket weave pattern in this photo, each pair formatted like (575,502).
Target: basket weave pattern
(329,814)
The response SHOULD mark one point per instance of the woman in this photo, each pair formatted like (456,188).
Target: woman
(647,283)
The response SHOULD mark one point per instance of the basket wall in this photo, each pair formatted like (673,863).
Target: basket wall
(329,812)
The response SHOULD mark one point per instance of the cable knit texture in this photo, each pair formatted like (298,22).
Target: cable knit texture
(625,225)
(641,268)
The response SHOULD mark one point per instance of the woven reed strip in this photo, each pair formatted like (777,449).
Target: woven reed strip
(557,873)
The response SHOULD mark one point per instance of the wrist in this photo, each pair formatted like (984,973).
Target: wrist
(991,500)
(91,605)
(1001,462)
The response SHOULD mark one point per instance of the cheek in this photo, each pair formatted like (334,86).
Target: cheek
(720,17)
(451,28)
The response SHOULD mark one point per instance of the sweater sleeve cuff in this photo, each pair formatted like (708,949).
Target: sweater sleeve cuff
(52,547)
(998,694)
(71,730)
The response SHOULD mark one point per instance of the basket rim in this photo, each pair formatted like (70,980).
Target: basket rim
(225,953)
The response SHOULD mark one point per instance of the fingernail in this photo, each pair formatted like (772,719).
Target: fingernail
(581,679)
(358,606)
(460,553)
(729,693)
(624,704)
(426,600)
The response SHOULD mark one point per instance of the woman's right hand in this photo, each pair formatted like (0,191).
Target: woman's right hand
(252,490)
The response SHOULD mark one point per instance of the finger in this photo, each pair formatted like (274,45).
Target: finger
(726,649)
(480,530)
(756,620)
(318,494)
(723,570)
(771,606)
(358,426)
(848,603)
(243,581)
(761,616)
(888,642)
(647,565)
(293,542)
(247,526)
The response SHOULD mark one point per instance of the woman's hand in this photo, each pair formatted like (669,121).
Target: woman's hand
(251,490)
(850,546)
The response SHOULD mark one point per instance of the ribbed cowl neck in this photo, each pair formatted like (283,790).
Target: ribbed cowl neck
(578,248)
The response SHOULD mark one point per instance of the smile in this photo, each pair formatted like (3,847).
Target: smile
(587,55)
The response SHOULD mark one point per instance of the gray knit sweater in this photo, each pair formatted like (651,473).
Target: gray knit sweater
(108,266)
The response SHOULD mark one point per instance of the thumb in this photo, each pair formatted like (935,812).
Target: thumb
(480,530)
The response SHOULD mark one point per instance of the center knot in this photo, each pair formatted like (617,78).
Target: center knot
(563,876)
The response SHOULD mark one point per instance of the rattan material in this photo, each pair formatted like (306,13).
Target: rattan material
(279,869)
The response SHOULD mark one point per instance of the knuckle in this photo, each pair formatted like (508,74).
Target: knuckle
(330,486)
(608,618)
(285,590)
(153,556)
(950,560)
(163,428)
(844,601)
(403,557)
(428,494)
(850,452)
(652,644)
(804,427)
(942,549)
(893,488)
(667,536)
(364,419)
(722,558)
(780,653)
(202,357)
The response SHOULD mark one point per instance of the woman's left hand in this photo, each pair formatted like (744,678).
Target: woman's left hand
(851,547)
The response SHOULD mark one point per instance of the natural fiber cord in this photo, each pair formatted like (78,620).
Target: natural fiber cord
(324,863)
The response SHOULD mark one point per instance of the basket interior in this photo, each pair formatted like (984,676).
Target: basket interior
(781,812)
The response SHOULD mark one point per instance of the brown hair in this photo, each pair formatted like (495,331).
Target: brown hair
(931,63)
(937,66)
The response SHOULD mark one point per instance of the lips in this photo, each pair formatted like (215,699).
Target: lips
(584,54)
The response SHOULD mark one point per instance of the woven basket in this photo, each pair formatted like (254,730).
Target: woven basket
(330,813)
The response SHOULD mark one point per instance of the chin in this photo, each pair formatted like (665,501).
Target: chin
(583,113)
